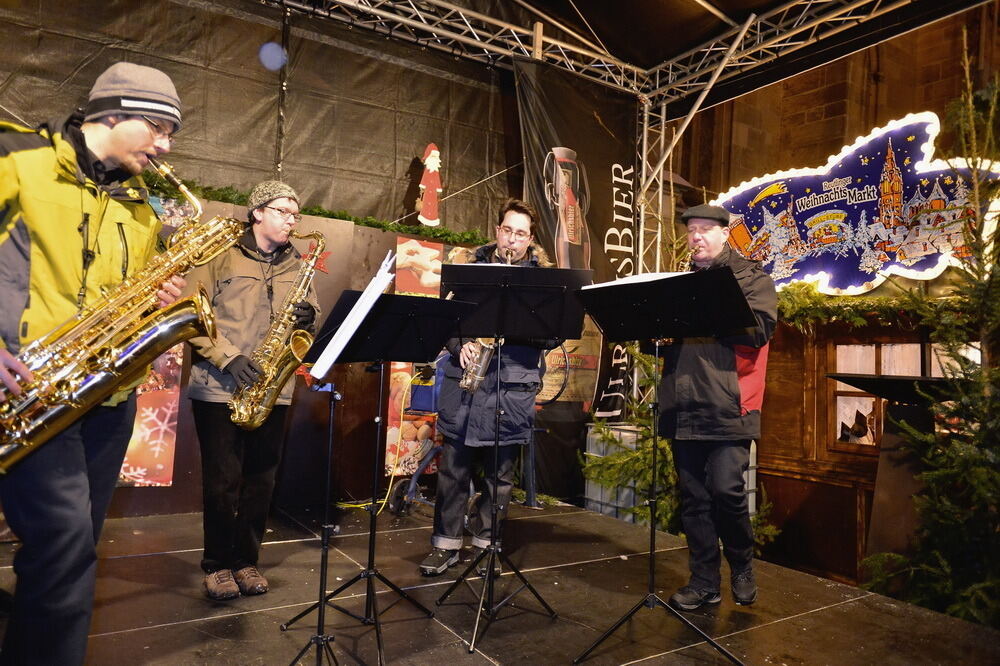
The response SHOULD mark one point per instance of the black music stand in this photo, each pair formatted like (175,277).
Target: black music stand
(397,328)
(698,304)
(893,520)
(517,303)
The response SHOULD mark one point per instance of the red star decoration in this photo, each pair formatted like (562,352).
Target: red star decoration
(321,262)
(303,370)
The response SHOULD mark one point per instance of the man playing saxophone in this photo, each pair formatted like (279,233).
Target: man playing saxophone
(247,285)
(466,418)
(74,222)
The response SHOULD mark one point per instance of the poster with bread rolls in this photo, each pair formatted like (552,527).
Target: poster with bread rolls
(409,436)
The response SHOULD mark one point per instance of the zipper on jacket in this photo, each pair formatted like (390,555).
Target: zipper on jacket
(121,234)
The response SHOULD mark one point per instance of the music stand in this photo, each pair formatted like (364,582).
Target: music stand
(519,303)
(649,307)
(893,520)
(398,328)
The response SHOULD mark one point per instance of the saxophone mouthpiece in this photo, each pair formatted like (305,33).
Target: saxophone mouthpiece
(166,171)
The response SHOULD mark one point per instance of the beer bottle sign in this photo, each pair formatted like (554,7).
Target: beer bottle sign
(567,191)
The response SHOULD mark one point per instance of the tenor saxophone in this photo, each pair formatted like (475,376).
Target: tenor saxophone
(111,342)
(475,372)
(280,352)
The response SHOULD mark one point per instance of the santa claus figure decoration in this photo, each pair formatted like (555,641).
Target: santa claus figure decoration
(430,187)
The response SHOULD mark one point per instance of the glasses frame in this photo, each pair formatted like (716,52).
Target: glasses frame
(157,130)
(517,235)
(285,213)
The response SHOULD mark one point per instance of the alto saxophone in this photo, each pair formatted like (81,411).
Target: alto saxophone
(475,372)
(107,344)
(280,352)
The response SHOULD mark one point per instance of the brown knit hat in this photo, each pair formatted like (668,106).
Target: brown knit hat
(266,192)
(130,89)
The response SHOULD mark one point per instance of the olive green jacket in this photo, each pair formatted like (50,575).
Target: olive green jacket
(237,283)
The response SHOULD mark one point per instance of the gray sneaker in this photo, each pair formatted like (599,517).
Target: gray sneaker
(220,585)
(438,562)
(690,598)
(744,587)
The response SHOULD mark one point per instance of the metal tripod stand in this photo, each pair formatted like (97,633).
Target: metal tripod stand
(652,600)
(370,573)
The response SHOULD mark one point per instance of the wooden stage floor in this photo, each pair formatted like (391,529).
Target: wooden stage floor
(590,568)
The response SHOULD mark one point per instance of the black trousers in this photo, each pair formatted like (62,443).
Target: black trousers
(714,505)
(455,472)
(55,501)
(238,469)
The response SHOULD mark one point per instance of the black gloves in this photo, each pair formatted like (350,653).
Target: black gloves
(304,315)
(244,371)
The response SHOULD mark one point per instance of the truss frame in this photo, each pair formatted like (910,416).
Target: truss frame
(459,31)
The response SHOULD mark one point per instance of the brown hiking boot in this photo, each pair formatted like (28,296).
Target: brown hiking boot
(251,581)
(219,585)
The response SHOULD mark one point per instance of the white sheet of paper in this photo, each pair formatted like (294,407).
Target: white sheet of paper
(376,287)
(634,279)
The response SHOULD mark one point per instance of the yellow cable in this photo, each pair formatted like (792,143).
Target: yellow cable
(399,440)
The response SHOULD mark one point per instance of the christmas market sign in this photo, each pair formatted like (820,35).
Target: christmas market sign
(881,206)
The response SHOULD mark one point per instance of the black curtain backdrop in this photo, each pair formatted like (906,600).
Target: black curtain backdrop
(360,109)
(578,140)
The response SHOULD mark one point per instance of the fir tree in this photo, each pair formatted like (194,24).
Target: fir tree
(954,563)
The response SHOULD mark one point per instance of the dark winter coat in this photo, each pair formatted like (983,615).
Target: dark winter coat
(472,416)
(713,388)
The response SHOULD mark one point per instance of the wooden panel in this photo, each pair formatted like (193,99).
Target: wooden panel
(786,399)
(819,525)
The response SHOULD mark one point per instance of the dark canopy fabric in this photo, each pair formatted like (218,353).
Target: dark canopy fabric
(360,109)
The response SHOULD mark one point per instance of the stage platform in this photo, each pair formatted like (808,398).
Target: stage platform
(590,568)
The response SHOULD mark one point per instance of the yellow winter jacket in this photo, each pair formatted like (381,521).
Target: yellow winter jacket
(51,217)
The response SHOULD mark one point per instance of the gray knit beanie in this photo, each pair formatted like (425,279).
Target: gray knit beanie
(266,192)
(134,90)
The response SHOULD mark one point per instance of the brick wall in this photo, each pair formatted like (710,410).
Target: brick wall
(801,121)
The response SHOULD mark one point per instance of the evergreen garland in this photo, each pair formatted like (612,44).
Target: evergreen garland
(801,305)
(158,186)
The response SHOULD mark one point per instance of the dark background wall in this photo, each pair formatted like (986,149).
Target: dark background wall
(360,109)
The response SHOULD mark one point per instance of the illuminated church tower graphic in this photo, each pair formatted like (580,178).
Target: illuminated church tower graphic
(890,202)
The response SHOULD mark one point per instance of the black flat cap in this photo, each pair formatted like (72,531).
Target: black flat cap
(706,212)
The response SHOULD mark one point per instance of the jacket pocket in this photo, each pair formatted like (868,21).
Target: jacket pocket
(512,374)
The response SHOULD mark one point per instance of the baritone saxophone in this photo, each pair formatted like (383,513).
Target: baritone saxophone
(78,365)
(281,351)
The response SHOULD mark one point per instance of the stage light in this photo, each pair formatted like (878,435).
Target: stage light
(272,56)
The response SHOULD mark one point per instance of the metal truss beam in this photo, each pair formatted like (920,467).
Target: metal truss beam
(457,30)
(784,30)
(460,31)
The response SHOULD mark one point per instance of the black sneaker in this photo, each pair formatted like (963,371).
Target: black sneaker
(438,562)
(744,587)
(690,598)
(481,565)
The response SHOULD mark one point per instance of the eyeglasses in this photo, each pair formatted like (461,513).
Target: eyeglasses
(158,131)
(518,234)
(285,213)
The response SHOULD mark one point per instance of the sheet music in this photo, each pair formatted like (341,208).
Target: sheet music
(634,279)
(376,287)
